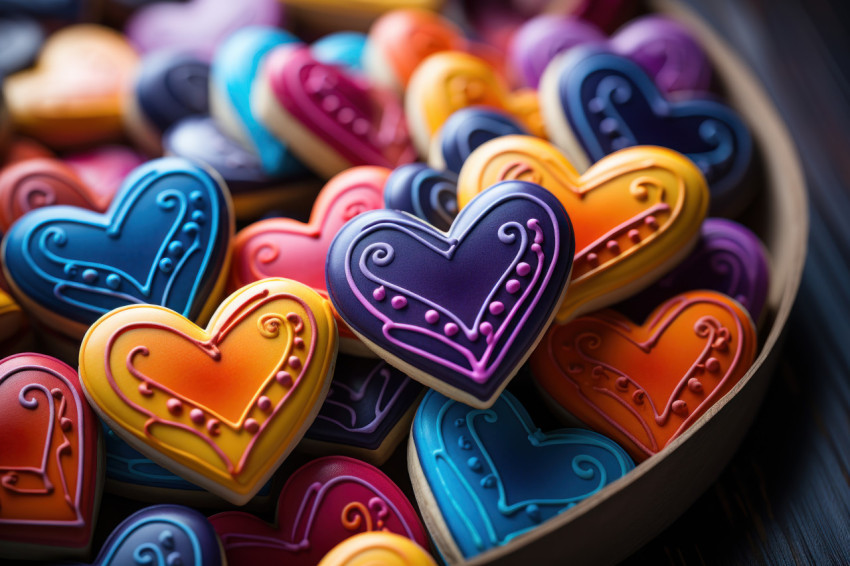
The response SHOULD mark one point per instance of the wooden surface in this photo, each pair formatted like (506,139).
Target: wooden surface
(785,497)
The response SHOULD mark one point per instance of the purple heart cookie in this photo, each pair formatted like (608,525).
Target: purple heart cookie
(461,310)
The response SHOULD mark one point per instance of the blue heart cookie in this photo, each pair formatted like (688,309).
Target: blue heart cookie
(343,48)
(160,535)
(596,102)
(458,311)
(165,240)
(491,475)
(423,192)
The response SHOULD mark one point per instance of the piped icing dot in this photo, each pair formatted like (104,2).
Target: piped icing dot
(380,293)
(651,221)
(634,235)
(90,276)
(298,342)
(680,408)
(294,362)
(450,329)
(166,539)
(695,385)
(639,396)
(331,103)
(486,328)
(65,424)
(264,403)
(166,264)
(474,464)
(398,302)
(175,406)
(598,372)
(613,247)
(596,105)
(497,308)
(196,416)
(512,286)
(593,259)
(622,383)
(145,389)
(191,228)
(199,217)
(712,365)
(432,316)
(212,427)
(608,126)
(721,344)
(459,423)
(252,426)
(113,281)
(360,127)
(70,269)
(283,378)
(533,512)
(346,115)
(523,269)
(176,248)
(464,442)
(197,198)
(488,481)
(620,142)
(536,248)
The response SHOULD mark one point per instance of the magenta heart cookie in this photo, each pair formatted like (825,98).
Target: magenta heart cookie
(329,119)
(323,503)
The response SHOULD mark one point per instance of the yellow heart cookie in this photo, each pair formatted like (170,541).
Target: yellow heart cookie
(636,213)
(377,547)
(451,80)
(221,406)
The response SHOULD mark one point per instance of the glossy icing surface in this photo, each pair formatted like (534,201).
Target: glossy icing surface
(21,38)
(343,48)
(466,130)
(357,125)
(494,475)
(728,258)
(234,69)
(171,85)
(80,264)
(448,81)
(366,400)
(601,102)
(197,26)
(323,503)
(374,548)
(48,456)
(162,535)
(464,325)
(635,213)
(104,168)
(426,193)
(75,91)
(167,386)
(643,385)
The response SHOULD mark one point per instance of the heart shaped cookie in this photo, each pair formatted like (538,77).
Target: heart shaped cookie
(367,411)
(424,192)
(40,182)
(221,406)
(383,548)
(330,120)
(636,213)
(49,480)
(341,48)
(483,477)
(162,534)
(283,247)
(448,81)
(458,311)
(728,258)
(596,102)
(21,38)
(197,26)
(104,168)
(323,503)
(75,92)
(164,240)
(644,385)
(234,70)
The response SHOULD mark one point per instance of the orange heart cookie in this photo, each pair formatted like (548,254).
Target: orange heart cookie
(74,93)
(644,385)
(636,213)
(377,547)
(221,406)
(451,80)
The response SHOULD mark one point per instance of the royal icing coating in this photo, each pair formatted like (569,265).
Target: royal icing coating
(644,385)
(168,387)
(367,400)
(323,503)
(21,38)
(343,48)
(488,476)
(596,102)
(330,119)
(235,67)
(448,81)
(104,168)
(728,258)
(636,213)
(383,548)
(401,39)
(49,487)
(283,247)
(466,323)
(75,92)
(162,535)
(73,264)
(426,193)
(40,182)
(467,129)
(197,26)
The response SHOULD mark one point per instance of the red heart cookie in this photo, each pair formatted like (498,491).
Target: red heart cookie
(283,247)
(221,406)
(323,503)
(74,93)
(644,385)
(49,480)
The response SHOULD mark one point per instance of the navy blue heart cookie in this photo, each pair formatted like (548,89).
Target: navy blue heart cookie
(460,310)
(483,477)
(424,192)
(165,240)
(596,102)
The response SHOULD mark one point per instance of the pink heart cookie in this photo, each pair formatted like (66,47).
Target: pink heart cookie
(330,120)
